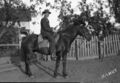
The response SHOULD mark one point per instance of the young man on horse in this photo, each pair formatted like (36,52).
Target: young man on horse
(47,32)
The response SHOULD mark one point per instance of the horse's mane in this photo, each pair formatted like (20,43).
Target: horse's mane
(66,28)
(71,26)
(70,22)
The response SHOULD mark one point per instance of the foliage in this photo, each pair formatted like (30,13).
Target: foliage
(99,21)
(10,36)
(12,11)
(115,8)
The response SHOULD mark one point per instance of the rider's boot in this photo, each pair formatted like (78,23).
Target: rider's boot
(53,51)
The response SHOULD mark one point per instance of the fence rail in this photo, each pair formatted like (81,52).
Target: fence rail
(1,45)
(82,49)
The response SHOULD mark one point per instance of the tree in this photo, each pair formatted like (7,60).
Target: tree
(12,11)
(115,8)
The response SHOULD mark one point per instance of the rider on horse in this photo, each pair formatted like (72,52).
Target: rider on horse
(47,32)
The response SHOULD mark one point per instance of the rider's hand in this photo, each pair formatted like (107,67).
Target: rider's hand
(55,28)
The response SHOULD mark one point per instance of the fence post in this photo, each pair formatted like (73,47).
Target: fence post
(100,49)
(76,51)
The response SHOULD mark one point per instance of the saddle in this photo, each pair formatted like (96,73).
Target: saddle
(44,42)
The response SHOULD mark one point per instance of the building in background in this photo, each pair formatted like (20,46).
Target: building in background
(18,16)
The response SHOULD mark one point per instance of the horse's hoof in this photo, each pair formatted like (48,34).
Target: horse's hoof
(58,77)
(32,76)
(55,75)
(65,75)
(28,74)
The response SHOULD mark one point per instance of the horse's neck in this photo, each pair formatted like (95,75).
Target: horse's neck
(70,34)
(73,36)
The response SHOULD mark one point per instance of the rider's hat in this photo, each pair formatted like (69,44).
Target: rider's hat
(46,11)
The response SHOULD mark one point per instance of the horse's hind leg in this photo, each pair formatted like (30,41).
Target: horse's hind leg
(64,59)
(27,66)
(57,64)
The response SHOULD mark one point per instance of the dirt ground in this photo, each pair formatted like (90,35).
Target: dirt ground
(87,71)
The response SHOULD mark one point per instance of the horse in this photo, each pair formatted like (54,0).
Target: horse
(29,45)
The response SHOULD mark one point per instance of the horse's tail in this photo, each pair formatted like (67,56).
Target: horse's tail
(22,54)
(23,51)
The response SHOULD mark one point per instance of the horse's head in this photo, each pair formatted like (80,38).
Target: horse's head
(77,27)
(84,32)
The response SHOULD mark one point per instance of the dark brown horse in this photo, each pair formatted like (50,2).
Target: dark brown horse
(66,37)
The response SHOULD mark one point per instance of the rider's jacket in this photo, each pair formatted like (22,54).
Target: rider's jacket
(45,27)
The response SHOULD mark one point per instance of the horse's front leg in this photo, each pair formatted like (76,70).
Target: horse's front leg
(57,64)
(27,66)
(64,60)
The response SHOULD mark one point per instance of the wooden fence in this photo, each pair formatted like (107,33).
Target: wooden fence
(82,49)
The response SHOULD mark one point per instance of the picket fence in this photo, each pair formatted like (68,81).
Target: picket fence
(82,49)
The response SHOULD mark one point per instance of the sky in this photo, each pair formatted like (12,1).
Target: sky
(54,14)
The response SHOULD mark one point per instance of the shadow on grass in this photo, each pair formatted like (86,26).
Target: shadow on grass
(16,60)
(45,69)
(17,57)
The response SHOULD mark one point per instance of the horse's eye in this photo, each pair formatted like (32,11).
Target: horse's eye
(90,27)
